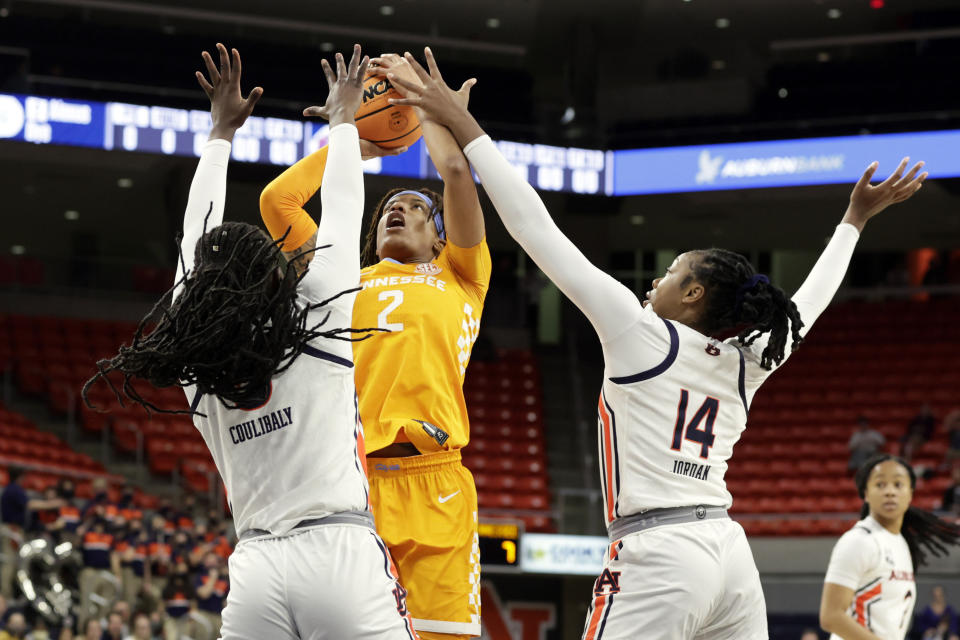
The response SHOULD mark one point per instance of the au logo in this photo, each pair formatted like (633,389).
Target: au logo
(607,584)
(712,350)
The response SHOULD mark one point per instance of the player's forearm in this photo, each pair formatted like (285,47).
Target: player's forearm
(205,203)
(845,627)
(827,274)
(342,199)
(445,151)
(282,201)
(610,307)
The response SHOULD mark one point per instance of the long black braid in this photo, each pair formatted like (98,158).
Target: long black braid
(234,325)
(731,302)
(924,532)
(368,255)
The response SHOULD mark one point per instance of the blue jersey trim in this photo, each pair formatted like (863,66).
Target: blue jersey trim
(742,382)
(196,401)
(660,368)
(329,357)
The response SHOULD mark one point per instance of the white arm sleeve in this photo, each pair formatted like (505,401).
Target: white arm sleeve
(337,267)
(610,306)
(208,191)
(811,298)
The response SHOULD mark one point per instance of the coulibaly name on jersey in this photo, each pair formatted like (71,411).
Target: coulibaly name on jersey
(394,281)
(261,425)
(691,469)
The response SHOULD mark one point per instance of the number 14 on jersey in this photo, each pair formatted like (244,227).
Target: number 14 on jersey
(707,414)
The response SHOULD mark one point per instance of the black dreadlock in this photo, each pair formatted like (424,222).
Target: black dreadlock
(368,255)
(924,532)
(235,324)
(759,309)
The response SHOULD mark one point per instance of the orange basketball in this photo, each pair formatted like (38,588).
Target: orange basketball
(384,124)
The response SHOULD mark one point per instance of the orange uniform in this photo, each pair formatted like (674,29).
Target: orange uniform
(410,386)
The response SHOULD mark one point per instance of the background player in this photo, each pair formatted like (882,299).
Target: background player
(674,398)
(870,590)
(428,270)
(242,336)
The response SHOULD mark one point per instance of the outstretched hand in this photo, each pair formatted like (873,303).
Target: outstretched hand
(432,96)
(346,89)
(228,109)
(867,200)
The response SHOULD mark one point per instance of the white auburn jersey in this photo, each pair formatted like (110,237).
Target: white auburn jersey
(877,565)
(667,432)
(300,455)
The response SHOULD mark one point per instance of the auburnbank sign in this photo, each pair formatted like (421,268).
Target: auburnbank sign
(779,163)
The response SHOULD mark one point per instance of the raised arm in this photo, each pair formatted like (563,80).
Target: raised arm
(827,274)
(462,215)
(282,201)
(610,306)
(228,111)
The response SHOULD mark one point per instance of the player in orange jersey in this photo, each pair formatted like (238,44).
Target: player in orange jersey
(426,277)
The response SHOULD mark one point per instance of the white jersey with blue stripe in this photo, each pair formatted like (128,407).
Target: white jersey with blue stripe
(300,455)
(673,402)
(666,432)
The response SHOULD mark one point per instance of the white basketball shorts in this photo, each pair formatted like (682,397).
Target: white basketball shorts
(329,582)
(690,581)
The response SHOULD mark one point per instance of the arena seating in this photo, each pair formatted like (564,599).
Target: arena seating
(53,357)
(47,459)
(879,360)
(789,474)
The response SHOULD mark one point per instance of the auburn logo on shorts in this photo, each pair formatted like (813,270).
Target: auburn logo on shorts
(428,268)
(712,350)
(607,584)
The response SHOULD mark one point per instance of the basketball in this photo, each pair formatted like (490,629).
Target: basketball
(382,123)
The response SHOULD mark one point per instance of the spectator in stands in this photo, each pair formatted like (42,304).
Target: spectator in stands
(114,630)
(951,496)
(919,431)
(65,526)
(15,508)
(96,546)
(951,424)
(938,621)
(809,634)
(92,630)
(122,608)
(16,627)
(142,629)
(864,443)
(212,586)
(179,598)
(39,631)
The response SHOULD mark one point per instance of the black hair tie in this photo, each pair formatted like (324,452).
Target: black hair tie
(747,286)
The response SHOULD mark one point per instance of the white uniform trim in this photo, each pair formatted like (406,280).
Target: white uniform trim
(440,626)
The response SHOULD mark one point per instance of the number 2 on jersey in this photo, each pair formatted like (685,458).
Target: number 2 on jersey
(397,298)
(704,437)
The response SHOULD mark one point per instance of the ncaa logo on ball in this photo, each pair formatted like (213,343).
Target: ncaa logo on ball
(428,268)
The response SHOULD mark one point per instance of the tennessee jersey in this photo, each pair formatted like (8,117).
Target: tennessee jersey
(412,373)
(877,565)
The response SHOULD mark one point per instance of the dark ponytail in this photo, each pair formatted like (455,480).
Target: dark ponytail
(736,296)
(924,532)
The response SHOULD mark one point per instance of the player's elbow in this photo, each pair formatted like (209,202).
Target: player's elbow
(269,198)
(828,619)
(454,166)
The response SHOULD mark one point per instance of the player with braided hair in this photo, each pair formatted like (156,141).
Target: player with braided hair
(426,273)
(271,388)
(870,590)
(674,399)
